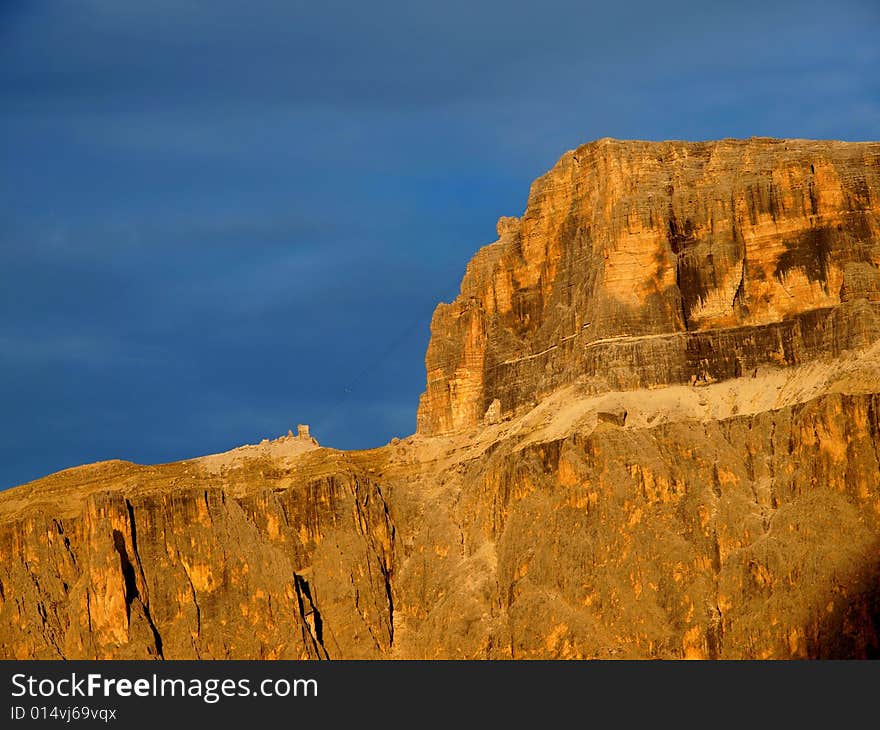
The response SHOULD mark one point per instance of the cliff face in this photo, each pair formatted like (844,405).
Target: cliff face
(651,429)
(160,562)
(752,537)
(643,264)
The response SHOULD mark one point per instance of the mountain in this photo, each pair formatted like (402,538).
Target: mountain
(651,429)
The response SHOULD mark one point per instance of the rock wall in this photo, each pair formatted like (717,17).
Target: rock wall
(754,537)
(623,242)
(651,429)
(194,572)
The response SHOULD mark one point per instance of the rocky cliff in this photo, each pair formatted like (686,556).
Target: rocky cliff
(651,428)
(642,264)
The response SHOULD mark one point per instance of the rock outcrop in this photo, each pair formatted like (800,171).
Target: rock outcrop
(651,428)
(643,264)
(160,562)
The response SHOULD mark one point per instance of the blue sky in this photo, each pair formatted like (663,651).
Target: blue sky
(218,219)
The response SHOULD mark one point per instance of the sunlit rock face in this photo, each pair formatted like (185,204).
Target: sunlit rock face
(642,264)
(651,429)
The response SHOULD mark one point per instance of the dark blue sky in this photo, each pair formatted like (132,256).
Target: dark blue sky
(220,218)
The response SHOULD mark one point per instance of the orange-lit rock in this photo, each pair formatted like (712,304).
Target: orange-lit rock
(651,428)
(629,252)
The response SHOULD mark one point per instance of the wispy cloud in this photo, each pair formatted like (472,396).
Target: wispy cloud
(72,350)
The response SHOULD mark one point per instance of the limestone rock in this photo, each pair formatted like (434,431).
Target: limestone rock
(644,264)
(615,416)
(651,429)
(493,413)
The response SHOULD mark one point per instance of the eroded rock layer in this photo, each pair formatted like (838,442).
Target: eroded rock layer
(622,242)
(165,564)
(651,429)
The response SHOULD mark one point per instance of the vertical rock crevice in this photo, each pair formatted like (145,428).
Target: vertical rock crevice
(131,572)
(310,617)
